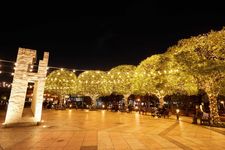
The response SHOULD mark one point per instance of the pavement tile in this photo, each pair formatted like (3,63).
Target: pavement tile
(105,130)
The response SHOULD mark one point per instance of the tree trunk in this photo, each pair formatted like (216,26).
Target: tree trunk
(94,100)
(161,100)
(213,108)
(61,100)
(126,99)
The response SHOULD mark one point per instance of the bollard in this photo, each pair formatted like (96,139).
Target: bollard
(177,113)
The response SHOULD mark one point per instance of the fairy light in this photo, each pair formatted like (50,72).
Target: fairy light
(49,67)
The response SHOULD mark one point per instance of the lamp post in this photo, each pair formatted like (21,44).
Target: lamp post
(222,102)
(177,113)
(139,109)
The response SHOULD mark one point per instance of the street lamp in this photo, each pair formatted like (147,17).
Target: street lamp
(222,102)
(139,106)
(177,113)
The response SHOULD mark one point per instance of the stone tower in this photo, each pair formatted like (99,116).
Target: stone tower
(22,76)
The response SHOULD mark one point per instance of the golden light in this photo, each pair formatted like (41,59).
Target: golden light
(177,111)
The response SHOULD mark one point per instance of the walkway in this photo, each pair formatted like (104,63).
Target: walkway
(104,130)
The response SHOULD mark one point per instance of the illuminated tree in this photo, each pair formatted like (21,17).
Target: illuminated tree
(61,82)
(204,57)
(93,84)
(161,75)
(120,79)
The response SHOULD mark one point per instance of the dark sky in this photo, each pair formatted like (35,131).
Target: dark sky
(101,36)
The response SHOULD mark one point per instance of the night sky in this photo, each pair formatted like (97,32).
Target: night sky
(104,36)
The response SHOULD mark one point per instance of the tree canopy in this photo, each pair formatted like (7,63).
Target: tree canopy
(120,79)
(61,82)
(93,84)
(161,75)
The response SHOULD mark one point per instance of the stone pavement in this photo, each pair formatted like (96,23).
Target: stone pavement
(105,130)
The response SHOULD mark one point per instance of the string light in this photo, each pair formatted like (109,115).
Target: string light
(48,68)
(5,84)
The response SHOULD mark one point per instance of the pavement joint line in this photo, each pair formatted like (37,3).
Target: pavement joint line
(91,147)
(1,148)
(164,133)
(215,130)
(207,127)
(177,143)
(167,130)
(11,147)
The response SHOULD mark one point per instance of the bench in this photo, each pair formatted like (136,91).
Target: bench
(205,119)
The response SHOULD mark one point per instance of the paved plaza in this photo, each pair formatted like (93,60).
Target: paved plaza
(105,130)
